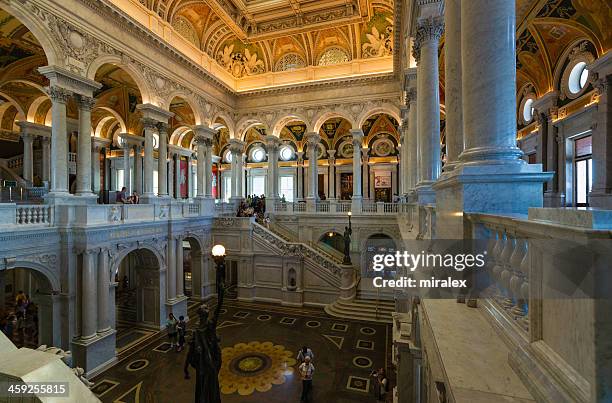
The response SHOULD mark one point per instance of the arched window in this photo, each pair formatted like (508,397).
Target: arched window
(578,77)
(290,61)
(333,55)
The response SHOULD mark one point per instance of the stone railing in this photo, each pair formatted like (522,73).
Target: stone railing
(327,267)
(338,207)
(289,236)
(225,208)
(34,215)
(549,297)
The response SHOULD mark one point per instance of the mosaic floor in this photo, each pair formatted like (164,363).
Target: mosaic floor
(259,346)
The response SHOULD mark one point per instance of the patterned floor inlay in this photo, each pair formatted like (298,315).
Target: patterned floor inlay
(254,366)
(264,318)
(339,327)
(362,362)
(287,321)
(137,365)
(163,348)
(336,340)
(368,331)
(358,384)
(365,345)
(103,387)
(313,323)
(241,315)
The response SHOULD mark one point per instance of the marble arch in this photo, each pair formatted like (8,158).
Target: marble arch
(116,116)
(281,122)
(561,65)
(145,91)
(178,134)
(21,115)
(321,118)
(35,24)
(388,110)
(33,108)
(41,271)
(190,101)
(116,260)
(245,124)
(229,123)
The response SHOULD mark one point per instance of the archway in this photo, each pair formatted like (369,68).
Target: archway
(29,316)
(335,132)
(377,244)
(139,305)
(333,242)
(192,268)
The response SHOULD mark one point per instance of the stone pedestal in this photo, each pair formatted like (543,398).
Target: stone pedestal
(348,284)
(95,354)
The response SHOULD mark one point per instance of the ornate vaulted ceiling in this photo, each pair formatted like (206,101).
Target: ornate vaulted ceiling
(252,37)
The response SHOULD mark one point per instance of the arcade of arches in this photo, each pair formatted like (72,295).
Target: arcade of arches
(137,134)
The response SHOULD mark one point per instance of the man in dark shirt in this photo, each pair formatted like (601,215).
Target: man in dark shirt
(122,196)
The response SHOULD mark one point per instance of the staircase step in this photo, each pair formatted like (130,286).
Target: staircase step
(360,309)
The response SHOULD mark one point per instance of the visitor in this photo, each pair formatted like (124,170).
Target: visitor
(381,385)
(283,199)
(171,326)
(20,297)
(181,328)
(122,196)
(303,353)
(125,283)
(135,198)
(306,371)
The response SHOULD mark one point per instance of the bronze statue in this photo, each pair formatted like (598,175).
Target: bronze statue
(204,352)
(347,245)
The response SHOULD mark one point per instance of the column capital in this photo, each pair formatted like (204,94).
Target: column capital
(84,102)
(74,83)
(149,123)
(272,143)
(154,112)
(357,135)
(204,131)
(429,29)
(546,105)
(162,127)
(236,146)
(27,136)
(58,94)
(312,137)
(411,96)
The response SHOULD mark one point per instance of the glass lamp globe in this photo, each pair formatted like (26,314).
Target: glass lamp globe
(218,250)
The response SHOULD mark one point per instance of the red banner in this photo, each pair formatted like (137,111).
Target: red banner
(183,179)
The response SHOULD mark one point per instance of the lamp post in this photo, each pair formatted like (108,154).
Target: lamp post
(204,352)
(347,242)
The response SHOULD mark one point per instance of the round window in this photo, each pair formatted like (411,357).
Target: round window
(228,157)
(258,155)
(286,153)
(528,110)
(578,77)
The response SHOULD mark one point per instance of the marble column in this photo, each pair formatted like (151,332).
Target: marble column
(171,273)
(491,177)
(46,163)
(89,311)
(313,173)
(162,160)
(126,165)
(149,129)
(95,167)
(83,180)
(357,135)
(103,283)
(300,174)
(272,147)
(236,148)
(177,177)
(180,279)
(601,76)
(365,178)
(452,80)
(170,165)
(28,156)
(403,128)
(411,136)
(208,171)
(137,163)
(190,176)
(545,109)
(429,31)
(59,141)
(332,174)
(201,162)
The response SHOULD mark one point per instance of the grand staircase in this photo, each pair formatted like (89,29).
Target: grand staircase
(367,305)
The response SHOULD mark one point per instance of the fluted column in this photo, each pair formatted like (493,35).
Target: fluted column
(332,174)
(170,165)
(95,167)
(137,163)
(126,165)
(201,162)
(171,274)
(272,145)
(452,81)
(357,183)
(162,160)
(208,172)
(180,279)
(313,173)
(46,163)
(149,129)
(427,40)
(83,180)
(411,137)
(103,283)
(89,311)
(236,148)
(300,174)
(59,140)
(28,156)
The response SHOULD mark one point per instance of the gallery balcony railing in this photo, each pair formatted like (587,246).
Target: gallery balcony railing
(339,207)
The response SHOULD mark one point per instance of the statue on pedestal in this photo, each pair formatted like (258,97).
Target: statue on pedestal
(347,245)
